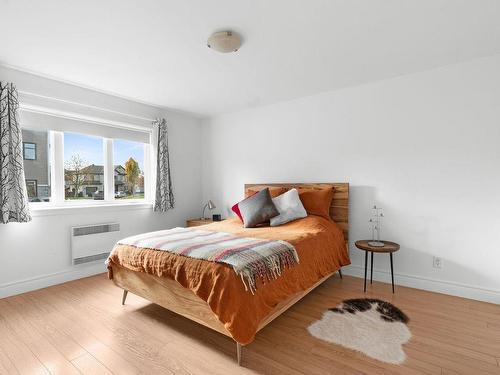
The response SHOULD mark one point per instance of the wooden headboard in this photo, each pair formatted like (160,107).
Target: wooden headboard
(339,209)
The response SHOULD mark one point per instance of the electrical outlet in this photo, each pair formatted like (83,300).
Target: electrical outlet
(437,262)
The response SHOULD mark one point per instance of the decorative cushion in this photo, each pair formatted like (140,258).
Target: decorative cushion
(236,210)
(289,206)
(273,190)
(317,201)
(257,209)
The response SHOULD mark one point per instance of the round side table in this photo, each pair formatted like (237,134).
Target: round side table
(389,247)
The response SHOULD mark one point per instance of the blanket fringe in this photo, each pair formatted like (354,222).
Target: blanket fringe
(268,269)
(243,281)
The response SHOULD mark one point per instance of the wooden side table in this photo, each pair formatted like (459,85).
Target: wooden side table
(197,222)
(389,247)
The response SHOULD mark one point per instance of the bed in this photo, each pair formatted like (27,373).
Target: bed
(213,295)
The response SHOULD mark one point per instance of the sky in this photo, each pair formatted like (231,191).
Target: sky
(91,149)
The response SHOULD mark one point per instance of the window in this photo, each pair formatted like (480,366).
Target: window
(29,151)
(73,162)
(32,187)
(83,167)
(128,157)
(37,167)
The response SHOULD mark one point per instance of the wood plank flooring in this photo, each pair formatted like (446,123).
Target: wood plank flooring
(81,328)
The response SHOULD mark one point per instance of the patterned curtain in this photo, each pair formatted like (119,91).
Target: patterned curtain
(164,195)
(13,194)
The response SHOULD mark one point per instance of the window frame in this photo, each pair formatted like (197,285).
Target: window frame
(57,181)
(34,149)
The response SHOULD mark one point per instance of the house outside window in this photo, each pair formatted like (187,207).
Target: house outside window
(129,169)
(84,166)
(120,188)
(32,188)
(36,164)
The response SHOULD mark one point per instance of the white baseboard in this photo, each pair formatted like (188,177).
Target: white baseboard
(412,281)
(43,281)
(433,285)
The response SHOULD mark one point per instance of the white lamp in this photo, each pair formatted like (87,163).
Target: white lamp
(210,206)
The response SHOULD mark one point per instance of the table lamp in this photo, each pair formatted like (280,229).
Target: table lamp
(210,206)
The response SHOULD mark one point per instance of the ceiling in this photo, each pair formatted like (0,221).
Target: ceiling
(155,50)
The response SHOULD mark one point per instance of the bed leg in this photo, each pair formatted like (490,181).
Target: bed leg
(238,353)
(125,292)
(340,273)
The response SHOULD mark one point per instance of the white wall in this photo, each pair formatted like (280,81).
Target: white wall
(424,146)
(38,254)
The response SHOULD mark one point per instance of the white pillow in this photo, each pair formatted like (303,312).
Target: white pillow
(289,206)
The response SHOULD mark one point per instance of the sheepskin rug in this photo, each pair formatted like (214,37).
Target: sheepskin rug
(370,326)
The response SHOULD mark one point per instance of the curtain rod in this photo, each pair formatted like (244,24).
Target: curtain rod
(86,106)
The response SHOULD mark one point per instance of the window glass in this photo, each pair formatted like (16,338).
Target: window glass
(128,158)
(36,164)
(83,167)
(29,151)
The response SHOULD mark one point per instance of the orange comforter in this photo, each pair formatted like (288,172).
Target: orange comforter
(319,243)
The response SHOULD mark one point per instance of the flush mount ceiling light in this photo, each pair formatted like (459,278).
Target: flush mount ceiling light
(224,41)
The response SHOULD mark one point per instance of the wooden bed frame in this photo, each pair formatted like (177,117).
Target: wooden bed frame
(172,296)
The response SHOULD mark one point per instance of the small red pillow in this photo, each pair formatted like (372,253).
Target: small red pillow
(236,210)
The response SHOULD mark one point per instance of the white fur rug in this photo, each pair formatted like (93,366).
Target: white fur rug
(373,327)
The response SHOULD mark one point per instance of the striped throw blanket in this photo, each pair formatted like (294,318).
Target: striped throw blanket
(249,257)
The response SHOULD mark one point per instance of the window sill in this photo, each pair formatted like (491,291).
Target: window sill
(48,209)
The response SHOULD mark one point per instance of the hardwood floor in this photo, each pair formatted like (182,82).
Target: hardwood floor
(81,327)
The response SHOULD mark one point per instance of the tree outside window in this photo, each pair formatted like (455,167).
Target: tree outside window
(128,157)
(83,167)
(74,175)
(132,172)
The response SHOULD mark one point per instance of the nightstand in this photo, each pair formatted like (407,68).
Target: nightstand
(197,222)
(389,247)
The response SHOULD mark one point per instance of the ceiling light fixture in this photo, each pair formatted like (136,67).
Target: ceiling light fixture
(224,41)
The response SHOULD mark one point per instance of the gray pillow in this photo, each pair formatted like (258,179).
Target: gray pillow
(257,209)
(289,206)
